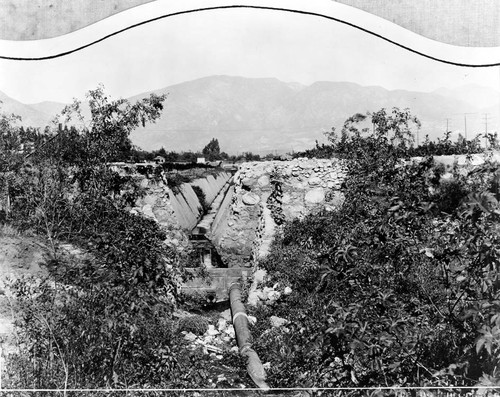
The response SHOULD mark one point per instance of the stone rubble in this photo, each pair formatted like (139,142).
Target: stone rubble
(216,340)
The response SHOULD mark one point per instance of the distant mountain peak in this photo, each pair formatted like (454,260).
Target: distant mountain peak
(266,114)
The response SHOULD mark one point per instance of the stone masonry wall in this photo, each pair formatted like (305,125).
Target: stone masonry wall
(267,193)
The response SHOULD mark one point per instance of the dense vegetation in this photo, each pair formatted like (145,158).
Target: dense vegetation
(401,285)
(342,146)
(211,152)
(105,318)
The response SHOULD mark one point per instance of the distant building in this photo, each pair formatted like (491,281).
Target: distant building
(200,160)
(159,160)
(215,163)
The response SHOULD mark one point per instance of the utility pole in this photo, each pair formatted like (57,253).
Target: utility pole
(465,124)
(447,124)
(486,129)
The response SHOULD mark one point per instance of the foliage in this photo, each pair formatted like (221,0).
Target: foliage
(398,287)
(396,123)
(175,181)
(196,324)
(212,150)
(201,198)
(103,319)
(106,135)
(444,146)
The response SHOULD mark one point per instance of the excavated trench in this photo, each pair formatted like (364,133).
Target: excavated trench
(225,283)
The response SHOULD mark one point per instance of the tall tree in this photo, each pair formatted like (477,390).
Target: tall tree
(212,150)
(107,133)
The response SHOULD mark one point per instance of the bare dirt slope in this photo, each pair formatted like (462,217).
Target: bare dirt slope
(19,255)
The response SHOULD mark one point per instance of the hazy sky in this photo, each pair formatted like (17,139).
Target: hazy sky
(249,43)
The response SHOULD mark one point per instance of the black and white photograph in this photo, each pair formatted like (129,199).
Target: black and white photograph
(269,197)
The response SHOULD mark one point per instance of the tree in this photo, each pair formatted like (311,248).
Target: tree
(107,133)
(106,136)
(212,150)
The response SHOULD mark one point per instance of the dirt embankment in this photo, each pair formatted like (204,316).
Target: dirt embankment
(19,255)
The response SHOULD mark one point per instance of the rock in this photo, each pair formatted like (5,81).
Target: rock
(314,181)
(226,315)
(266,366)
(448,176)
(250,199)
(262,295)
(315,196)
(163,216)
(273,296)
(212,331)
(214,349)
(277,322)
(150,199)
(230,331)
(287,291)
(147,211)
(286,198)
(248,183)
(263,181)
(336,199)
(221,324)
(190,337)
(251,320)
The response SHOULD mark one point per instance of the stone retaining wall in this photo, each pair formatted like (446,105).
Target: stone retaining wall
(266,194)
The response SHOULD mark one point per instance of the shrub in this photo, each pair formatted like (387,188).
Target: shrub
(201,197)
(397,287)
(196,324)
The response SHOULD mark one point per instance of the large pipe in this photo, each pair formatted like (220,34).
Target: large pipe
(240,323)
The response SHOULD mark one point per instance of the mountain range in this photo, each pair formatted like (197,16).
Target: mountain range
(265,114)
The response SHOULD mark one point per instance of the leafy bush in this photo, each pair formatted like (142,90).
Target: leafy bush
(196,324)
(104,319)
(400,285)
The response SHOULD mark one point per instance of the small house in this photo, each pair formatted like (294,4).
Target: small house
(159,159)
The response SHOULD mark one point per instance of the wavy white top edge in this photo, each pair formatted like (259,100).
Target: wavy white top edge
(372,24)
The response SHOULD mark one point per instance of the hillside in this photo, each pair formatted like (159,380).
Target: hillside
(267,114)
